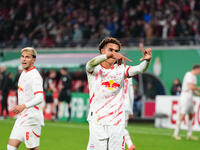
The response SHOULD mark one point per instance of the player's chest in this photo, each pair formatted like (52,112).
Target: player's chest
(24,82)
(114,74)
(111,79)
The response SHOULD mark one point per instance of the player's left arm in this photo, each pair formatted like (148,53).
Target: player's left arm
(142,67)
(197,92)
(37,99)
(193,86)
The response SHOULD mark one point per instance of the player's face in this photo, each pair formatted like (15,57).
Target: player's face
(27,60)
(110,47)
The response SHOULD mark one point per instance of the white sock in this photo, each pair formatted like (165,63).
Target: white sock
(9,147)
(177,128)
(189,128)
(128,140)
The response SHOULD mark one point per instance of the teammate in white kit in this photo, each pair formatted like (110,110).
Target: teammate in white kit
(128,107)
(186,102)
(106,84)
(27,127)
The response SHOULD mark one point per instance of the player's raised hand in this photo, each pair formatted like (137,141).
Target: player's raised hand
(120,58)
(19,108)
(147,55)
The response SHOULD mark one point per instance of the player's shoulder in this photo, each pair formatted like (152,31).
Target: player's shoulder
(190,74)
(96,69)
(36,74)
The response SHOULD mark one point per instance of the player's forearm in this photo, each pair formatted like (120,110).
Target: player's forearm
(197,93)
(193,87)
(95,61)
(35,101)
(142,67)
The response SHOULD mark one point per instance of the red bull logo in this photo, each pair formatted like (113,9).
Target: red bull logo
(20,89)
(110,84)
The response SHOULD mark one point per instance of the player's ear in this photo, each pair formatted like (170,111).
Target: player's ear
(102,51)
(34,59)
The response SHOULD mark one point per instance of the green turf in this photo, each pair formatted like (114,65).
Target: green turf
(73,136)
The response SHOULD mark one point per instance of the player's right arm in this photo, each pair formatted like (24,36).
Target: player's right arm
(101,58)
(197,93)
(95,62)
(37,86)
(193,87)
(38,98)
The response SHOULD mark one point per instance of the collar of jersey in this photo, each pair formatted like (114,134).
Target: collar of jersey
(107,68)
(30,69)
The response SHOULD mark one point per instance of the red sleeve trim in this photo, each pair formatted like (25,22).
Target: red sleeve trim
(36,107)
(127,71)
(38,92)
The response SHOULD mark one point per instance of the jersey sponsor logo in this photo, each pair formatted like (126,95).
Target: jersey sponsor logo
(110,84)
(20,88)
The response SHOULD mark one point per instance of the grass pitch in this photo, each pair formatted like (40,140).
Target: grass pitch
(74,136)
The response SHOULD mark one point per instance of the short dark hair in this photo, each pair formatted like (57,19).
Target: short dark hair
(105,41)
(63,68)
(196,66)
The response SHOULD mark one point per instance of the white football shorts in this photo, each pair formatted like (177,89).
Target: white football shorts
(186,105)
(103,137)
(30,135)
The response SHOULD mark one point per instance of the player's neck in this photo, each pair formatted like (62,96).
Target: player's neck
(107,65)
(29,68)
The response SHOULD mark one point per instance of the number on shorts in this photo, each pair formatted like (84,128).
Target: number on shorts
(27,136)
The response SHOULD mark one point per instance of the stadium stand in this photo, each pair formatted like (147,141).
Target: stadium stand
(71,23)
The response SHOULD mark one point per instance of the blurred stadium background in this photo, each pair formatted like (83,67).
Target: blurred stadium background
(66,33)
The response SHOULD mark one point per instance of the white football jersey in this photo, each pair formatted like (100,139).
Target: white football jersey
(188,78)
(107,95)
(30,83)
(128,95)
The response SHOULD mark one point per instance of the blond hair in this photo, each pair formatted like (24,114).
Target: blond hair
(30,50)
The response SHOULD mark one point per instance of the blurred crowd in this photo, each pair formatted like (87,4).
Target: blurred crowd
(70,23)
